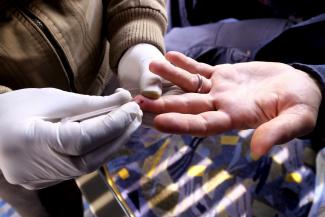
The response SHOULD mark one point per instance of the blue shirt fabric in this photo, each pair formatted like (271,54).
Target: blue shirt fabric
(196,12)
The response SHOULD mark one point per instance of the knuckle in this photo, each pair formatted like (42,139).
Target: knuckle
(84,166)
(200,67)
(84,142)
(74,139)
(88,168)
(194,81)
(79,150)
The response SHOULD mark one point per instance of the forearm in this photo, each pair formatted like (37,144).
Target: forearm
(133,22)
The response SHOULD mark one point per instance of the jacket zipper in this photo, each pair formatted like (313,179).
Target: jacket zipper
(56,46)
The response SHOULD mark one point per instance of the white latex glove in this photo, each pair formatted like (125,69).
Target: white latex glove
(37,153)
(134,74)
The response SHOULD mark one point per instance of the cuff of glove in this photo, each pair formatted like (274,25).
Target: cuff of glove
(141,25)
(4,89)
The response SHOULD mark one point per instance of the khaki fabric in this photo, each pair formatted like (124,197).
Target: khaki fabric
(4,89)
(64,44)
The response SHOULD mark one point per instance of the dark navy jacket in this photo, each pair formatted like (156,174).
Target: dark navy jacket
(300,44)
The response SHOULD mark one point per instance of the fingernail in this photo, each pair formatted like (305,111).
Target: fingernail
(152,91)
(254,156)
(151,94)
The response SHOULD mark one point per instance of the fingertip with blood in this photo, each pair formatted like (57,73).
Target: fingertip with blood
(141,101)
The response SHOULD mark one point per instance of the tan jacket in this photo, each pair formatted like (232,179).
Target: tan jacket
(63,44)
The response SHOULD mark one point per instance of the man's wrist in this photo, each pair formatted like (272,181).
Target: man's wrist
(312,73)
(316,134)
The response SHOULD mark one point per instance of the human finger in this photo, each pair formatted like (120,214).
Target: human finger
(279,130)
(39,184)
(191,103)
(97,157)
(53,104)
(187,81)
(74,138)
(189,64)
(72,104)
(150,84)
(203,124)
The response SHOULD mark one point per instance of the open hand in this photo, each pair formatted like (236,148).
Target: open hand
(278,100)
(37,150)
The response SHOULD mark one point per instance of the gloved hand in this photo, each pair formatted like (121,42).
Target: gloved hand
(134,74)
(36,153)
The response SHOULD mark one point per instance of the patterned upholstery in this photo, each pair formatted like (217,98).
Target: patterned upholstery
(170,175)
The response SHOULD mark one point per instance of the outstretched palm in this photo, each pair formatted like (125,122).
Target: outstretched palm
(278,100)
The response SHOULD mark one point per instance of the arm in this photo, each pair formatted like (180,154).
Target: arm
(135,30)
(133,22)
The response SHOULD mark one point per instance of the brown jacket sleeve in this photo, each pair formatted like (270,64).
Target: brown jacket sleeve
(4,89)
(130,22)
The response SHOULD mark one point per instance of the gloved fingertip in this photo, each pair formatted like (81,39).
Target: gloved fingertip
(121,95)
(123,91)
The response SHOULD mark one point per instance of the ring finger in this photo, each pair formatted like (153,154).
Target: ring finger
(187,81)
